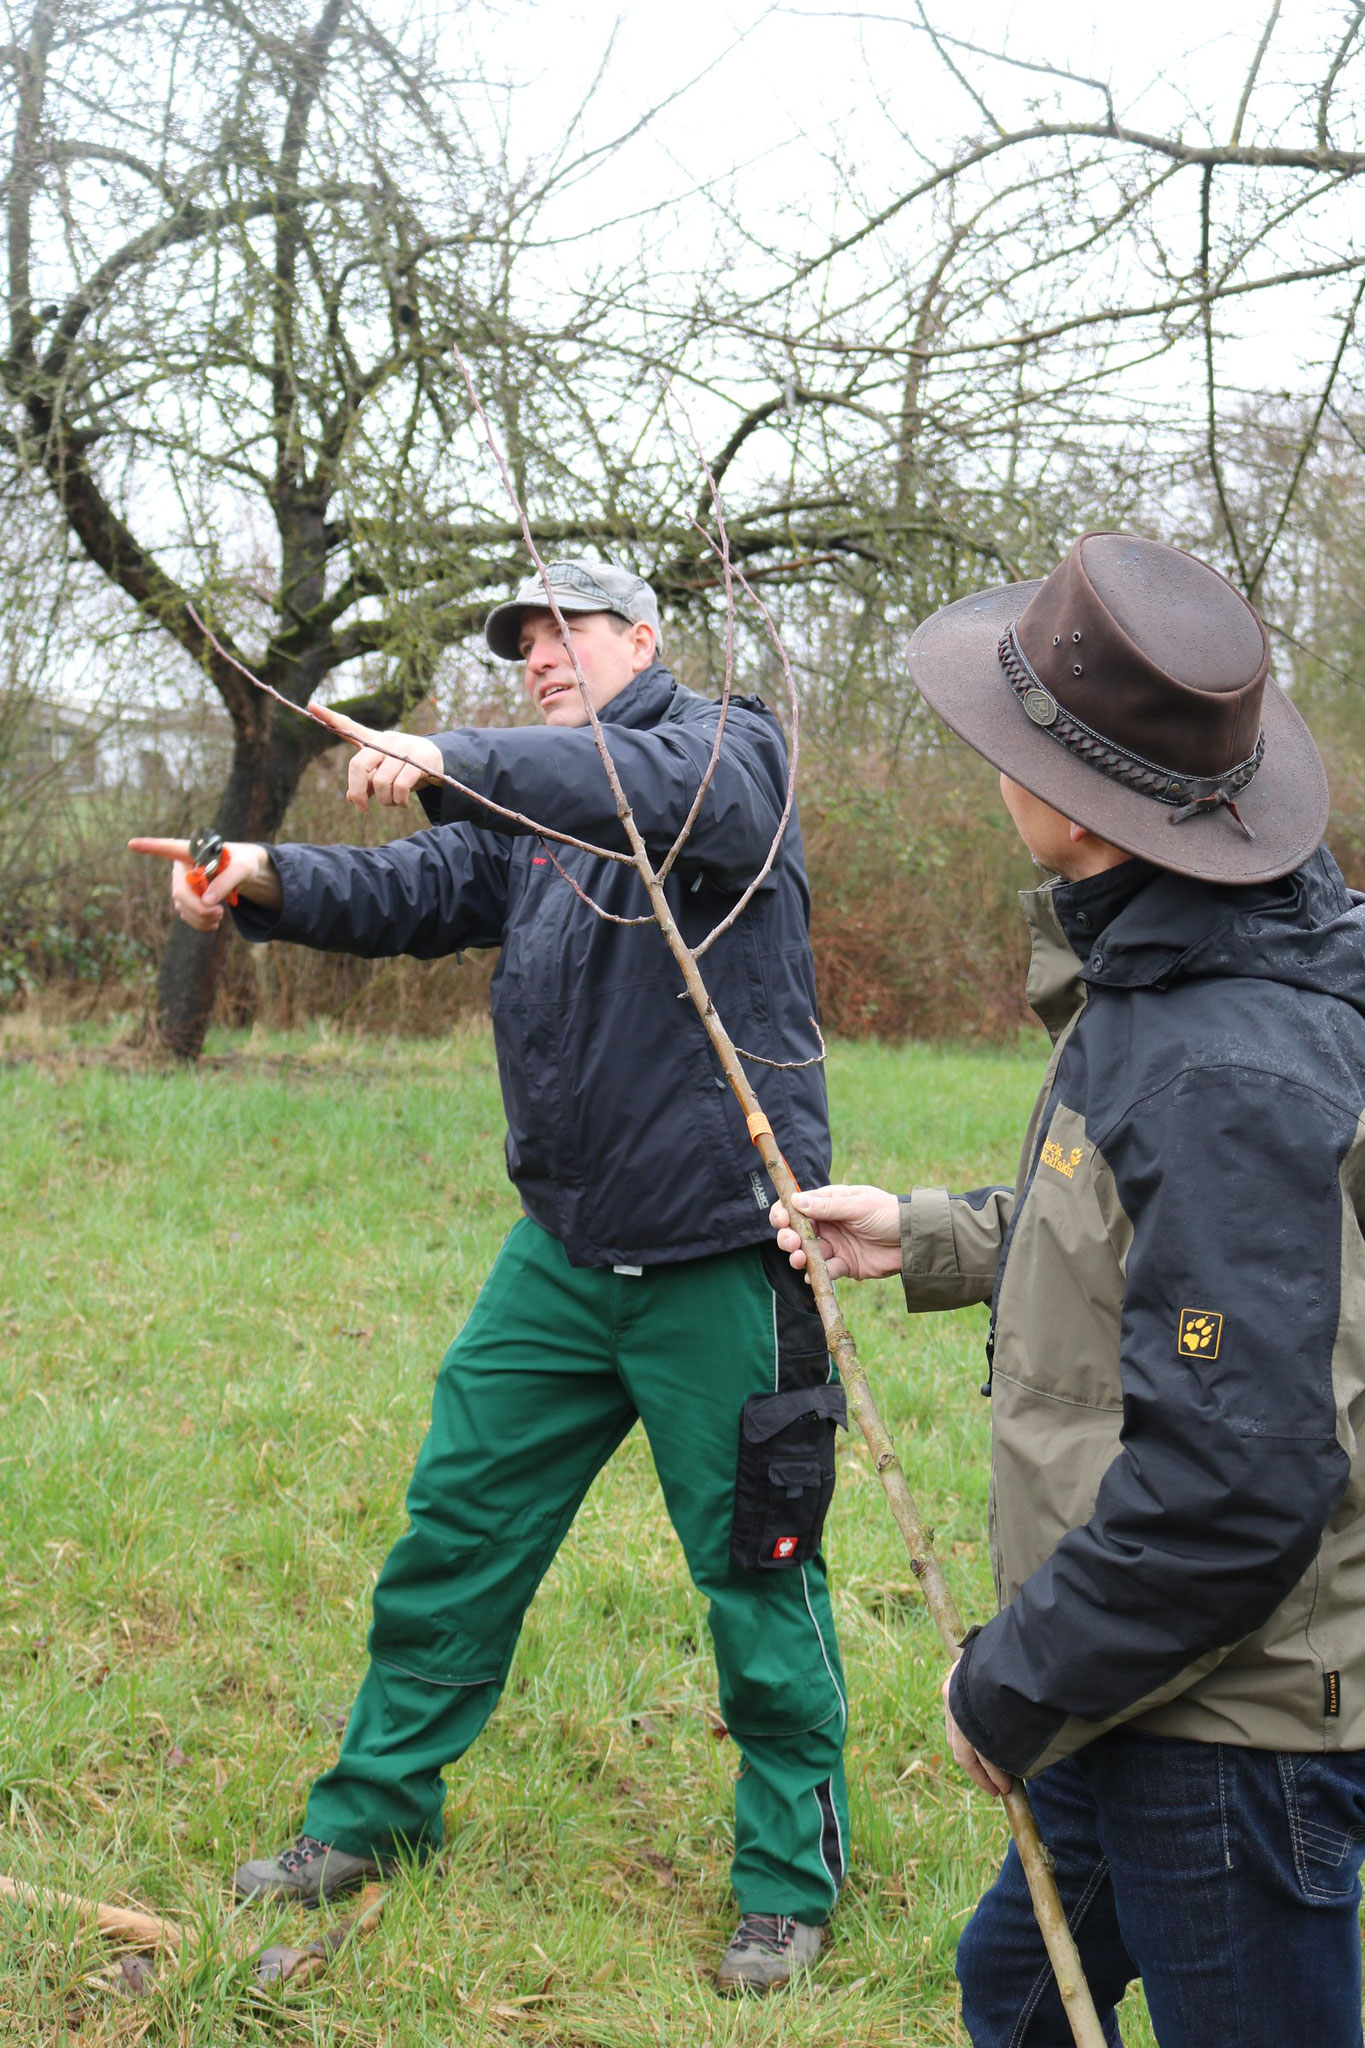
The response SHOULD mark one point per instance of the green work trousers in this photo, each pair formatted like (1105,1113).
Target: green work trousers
(539,1388)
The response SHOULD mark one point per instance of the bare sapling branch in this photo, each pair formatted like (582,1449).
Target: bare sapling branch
(730,574)
(817,1059)
(738,908)
(709,773)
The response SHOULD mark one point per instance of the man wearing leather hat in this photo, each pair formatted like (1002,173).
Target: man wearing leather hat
(1176,1357)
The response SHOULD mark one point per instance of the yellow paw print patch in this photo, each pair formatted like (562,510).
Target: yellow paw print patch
(1200,1332)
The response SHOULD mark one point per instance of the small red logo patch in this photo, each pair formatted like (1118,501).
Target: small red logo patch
(537,860)
(786,1546)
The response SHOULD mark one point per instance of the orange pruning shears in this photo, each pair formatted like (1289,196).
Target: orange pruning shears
(207,855)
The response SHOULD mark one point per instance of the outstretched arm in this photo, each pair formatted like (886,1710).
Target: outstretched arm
(427,895)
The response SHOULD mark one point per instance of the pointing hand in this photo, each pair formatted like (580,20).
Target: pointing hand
(246,870)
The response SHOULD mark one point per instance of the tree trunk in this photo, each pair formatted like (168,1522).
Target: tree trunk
(266,766)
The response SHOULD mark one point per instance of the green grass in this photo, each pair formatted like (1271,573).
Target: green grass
(224,1296)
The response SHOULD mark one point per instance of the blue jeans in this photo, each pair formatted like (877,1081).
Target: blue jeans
(1228,1879)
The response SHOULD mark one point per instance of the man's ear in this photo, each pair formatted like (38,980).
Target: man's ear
(643,637)
(1102,850)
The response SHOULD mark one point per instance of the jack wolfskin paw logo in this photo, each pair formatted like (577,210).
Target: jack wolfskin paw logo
(1200,1333)
(1062,1162)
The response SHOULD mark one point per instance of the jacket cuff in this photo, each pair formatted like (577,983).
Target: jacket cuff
(930,1272)
(461,758)
(256,924)
(1015,1748)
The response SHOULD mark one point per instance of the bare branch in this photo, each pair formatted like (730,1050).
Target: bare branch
(1261,49)
(708,775)
(1334,70)
(743,901)
(1338,162)
(1307,444)
(816,1059)
(1211,409)
(975,97)
(1034,64)
(518,818)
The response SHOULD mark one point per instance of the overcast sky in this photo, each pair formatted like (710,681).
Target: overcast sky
(802,71)
(794,90)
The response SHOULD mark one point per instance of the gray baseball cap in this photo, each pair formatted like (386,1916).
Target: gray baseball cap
(579,586)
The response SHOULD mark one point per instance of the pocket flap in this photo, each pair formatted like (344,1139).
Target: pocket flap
(763,1415)
(795,1475)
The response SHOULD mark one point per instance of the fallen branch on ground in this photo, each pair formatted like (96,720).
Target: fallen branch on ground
(149,1932)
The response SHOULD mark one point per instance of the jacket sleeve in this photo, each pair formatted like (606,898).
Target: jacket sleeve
(1230,1464)
(950,1245)
(427,895)
(555,776)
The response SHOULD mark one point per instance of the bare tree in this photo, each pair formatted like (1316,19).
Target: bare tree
(231,310)
(1060,320)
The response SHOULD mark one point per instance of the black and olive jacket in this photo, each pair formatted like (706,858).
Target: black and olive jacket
(1178,1325)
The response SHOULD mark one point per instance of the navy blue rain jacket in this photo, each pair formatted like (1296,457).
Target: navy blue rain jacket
(624,1140)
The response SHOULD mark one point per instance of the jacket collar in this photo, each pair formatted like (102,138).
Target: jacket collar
(1054,990)
(1085,910)
(1065,919)
(1138,926)
(643,701)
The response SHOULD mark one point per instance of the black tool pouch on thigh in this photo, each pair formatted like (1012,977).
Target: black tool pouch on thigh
(786,1475)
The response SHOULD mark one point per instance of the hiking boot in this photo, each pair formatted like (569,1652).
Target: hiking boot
(767,1950)
(308,1873)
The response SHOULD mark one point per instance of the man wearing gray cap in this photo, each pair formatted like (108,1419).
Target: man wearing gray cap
(640,1282)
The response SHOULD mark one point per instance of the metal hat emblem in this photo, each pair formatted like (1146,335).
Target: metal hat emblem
(1041,706)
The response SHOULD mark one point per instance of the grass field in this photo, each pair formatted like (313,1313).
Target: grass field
(223,1298)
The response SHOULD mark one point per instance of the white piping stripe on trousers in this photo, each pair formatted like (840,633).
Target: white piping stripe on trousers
(836,1878)
(838,1689)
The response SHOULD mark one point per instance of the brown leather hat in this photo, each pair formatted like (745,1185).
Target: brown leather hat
(1129,690)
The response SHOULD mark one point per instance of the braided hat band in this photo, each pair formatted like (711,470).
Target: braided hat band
(1190,795)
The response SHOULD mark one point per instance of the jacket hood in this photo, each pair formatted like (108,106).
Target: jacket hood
(1139,926)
